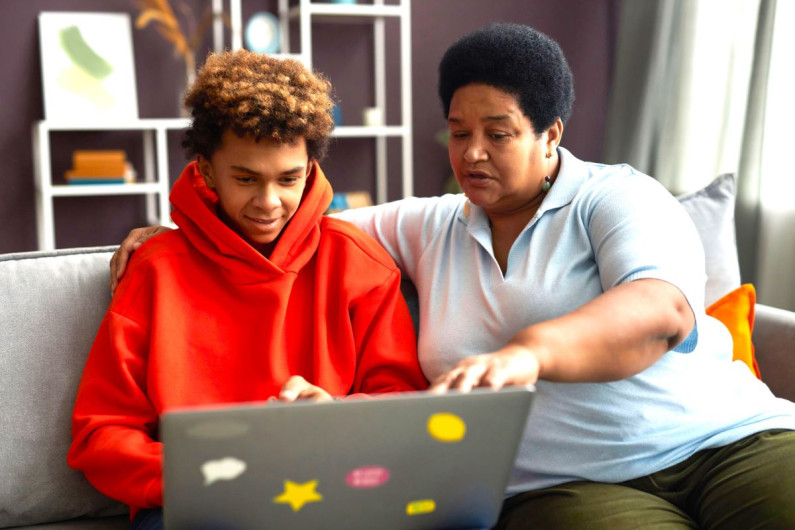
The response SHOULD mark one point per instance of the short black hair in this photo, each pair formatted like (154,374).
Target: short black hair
(517,59)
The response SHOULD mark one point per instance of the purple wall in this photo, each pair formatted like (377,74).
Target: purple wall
(585,30)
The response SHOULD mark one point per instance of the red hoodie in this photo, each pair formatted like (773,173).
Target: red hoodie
(201,317)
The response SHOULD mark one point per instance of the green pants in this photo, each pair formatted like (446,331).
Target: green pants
(745,485)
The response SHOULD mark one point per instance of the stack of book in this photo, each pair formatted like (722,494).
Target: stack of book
(100,167)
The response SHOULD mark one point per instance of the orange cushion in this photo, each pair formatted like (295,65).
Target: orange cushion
(736,311)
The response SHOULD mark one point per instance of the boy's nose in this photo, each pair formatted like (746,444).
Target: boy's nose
(267,198)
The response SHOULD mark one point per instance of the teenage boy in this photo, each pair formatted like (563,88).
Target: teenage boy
(257,295)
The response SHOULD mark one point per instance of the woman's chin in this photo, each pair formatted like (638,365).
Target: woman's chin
(477,195)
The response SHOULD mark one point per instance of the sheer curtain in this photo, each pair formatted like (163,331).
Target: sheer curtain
(776,261)
(704,88)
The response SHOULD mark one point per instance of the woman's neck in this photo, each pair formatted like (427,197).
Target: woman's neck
(505,229)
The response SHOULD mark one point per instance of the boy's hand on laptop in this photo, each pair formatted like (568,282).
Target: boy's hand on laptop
(136,237)
(299,388)
(510,366)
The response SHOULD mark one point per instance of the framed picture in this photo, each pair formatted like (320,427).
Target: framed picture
(87,67)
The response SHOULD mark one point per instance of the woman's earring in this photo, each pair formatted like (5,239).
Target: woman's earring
(547,181)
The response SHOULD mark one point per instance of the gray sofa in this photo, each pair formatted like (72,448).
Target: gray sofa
(50,308)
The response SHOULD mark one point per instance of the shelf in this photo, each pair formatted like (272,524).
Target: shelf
(154,182)
(347,12)
(368,131)
(80,190)
(296,56)
(117,125)
(376,14)
(153,174)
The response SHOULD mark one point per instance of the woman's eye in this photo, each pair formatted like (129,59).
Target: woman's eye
(499,136)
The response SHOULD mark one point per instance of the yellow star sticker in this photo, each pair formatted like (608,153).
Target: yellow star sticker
(296,495)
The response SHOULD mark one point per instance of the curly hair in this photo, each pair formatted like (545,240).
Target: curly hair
(517,59)
(261,96)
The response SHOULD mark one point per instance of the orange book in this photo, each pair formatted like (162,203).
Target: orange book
(99,170)
(81,157)
(101,175)
(99,163)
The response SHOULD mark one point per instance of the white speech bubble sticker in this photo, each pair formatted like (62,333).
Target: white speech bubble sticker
(228,468)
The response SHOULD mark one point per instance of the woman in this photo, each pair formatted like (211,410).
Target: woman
(587,281)
(256,297)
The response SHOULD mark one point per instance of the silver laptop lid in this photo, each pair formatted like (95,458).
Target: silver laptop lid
(400,461)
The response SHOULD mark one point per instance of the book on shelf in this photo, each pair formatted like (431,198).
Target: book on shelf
(100,167)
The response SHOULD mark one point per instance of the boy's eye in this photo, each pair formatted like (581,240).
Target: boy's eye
(245,180)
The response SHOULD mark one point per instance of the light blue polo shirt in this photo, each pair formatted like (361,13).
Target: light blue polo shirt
(598,226)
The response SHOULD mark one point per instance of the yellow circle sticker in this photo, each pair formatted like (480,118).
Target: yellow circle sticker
(420,507)
(446,427)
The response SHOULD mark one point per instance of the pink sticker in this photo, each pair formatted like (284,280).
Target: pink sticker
(367,477)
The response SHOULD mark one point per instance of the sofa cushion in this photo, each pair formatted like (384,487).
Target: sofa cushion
(51,305)
(116,522)
(712,211)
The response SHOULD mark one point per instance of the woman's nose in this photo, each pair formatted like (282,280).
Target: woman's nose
(475,152)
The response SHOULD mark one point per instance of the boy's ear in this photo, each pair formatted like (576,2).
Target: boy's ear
(206,169)
(309,167)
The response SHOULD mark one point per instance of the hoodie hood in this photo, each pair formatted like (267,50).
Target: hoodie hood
(195,211)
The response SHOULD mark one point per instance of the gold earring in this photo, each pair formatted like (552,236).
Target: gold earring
(547,180)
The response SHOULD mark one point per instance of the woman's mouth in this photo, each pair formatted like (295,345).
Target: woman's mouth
(477,177)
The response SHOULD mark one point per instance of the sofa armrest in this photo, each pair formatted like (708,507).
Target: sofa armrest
(774,348)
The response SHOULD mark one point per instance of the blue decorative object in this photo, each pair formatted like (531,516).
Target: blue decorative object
(339,201)
(262,33)
(336,115)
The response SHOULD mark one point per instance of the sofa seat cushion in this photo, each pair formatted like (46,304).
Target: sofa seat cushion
(118,522)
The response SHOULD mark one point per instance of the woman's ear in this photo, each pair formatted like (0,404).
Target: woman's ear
(206,169)
(554,133)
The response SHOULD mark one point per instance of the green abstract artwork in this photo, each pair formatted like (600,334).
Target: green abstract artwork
(82,55)
(87,66)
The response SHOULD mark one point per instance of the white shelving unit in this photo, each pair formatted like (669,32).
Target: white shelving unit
(308,13)
(153,182)
(153,179)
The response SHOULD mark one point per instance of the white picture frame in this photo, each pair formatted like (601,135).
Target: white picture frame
(87,67)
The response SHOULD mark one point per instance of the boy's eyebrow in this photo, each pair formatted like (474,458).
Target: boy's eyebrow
(244,169)
(296,169)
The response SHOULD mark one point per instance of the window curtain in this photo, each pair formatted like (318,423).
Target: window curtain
(703,88)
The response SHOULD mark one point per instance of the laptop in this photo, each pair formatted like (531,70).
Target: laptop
(399,461)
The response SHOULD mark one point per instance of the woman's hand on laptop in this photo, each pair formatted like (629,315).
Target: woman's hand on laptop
(136,237)
(299,388)
(510,366)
